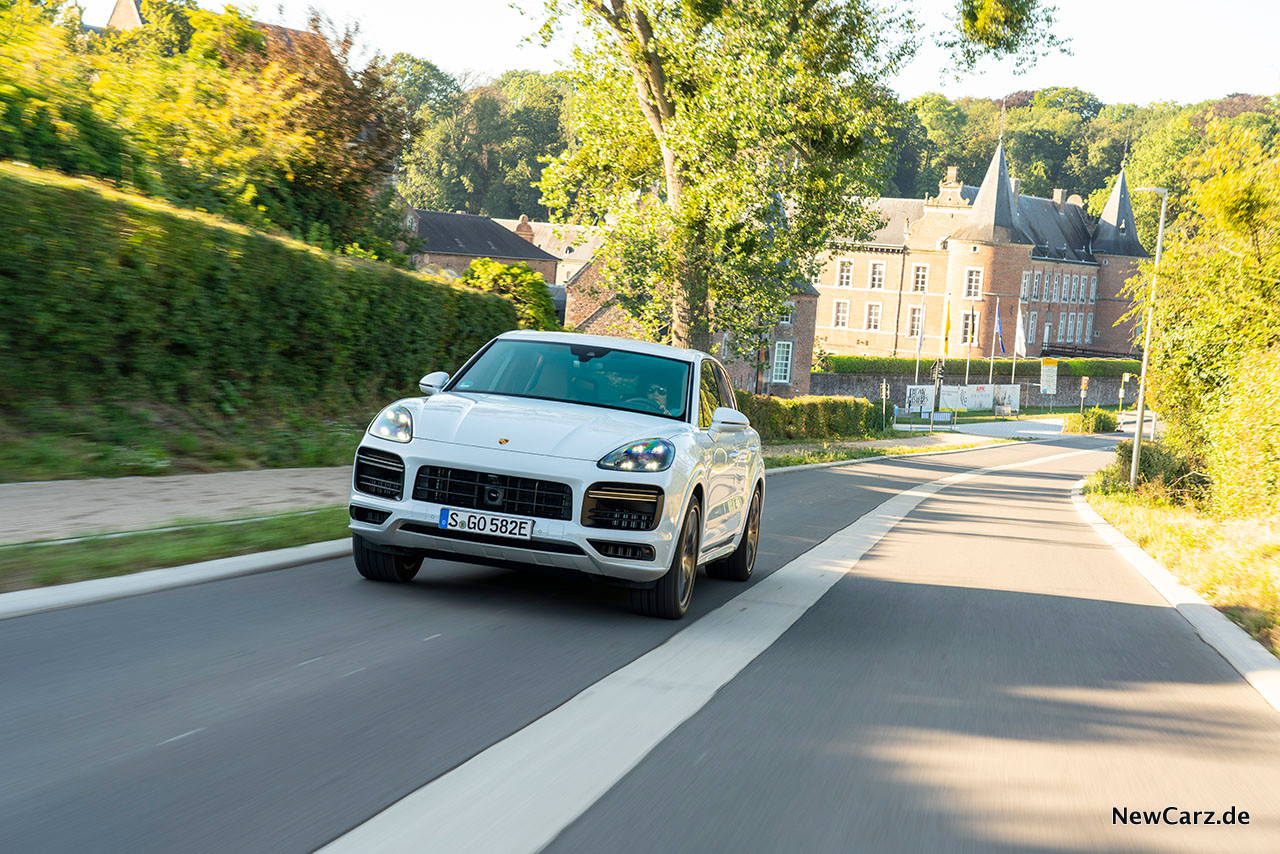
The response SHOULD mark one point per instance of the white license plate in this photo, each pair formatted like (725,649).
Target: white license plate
(486,523)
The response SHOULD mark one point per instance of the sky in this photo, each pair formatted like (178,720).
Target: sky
(1123,51)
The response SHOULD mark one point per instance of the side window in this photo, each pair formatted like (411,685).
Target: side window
(709,396)
(726,388)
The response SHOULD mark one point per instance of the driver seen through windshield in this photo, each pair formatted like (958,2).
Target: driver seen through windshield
(580,373)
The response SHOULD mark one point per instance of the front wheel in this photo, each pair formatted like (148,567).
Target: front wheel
(738,566)
(670,597)
(382,566)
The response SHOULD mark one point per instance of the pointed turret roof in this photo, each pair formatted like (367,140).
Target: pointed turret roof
(994,218)
(1116,234)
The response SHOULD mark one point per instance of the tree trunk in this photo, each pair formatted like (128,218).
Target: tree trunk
(690,308)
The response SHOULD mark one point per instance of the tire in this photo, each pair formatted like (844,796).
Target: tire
(670,597)
(383,566)
(738,566)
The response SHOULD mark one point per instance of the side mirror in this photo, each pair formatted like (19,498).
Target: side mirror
(727,420)
(433,382)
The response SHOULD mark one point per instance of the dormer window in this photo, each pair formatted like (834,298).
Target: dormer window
(1122,226)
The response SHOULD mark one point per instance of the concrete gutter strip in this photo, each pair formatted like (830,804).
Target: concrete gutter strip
(1251,659)
(20,603)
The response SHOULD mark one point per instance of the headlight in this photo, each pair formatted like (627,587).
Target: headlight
(645,455)
(394,423)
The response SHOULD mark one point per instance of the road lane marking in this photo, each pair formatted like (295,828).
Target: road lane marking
(433,637)
(184,735)
(309,661)
(354,672)
(517,795)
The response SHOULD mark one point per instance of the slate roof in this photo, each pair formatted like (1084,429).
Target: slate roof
(1056,235)
(477,236)
(994,216)
(566,242)
(1116,234)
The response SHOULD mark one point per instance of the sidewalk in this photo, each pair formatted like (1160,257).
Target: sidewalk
(72,508)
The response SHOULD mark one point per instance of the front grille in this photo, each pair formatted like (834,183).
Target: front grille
(366,514)
(500,493)
(622,506)
(533,545)
(379,473)
(622,551)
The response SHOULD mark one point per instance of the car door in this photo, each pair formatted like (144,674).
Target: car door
(744,443)
(718,451)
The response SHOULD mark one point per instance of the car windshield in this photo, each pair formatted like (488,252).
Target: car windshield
(590,374)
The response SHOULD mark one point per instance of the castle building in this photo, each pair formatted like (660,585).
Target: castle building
(969,248)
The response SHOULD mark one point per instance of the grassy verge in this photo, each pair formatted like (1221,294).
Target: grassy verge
(825,453)
(53,442)
(1234,563)
(26,566)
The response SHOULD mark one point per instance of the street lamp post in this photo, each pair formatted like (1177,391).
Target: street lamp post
(1146,347)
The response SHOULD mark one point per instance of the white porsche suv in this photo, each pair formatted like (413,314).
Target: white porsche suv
(617,458)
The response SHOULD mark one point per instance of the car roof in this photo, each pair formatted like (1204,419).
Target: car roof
(630,344)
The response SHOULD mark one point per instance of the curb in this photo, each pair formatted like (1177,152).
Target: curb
(1251,660)
(21,603)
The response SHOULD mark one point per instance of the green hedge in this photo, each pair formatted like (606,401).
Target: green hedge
(110,296)
(1093,420)
(978,367)
(1243,454)
(812,417)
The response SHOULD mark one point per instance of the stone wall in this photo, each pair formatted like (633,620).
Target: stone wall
(1103,391)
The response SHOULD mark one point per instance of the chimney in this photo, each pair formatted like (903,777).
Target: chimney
(1017,188)
(524,229)
(1059,199)
(953,174)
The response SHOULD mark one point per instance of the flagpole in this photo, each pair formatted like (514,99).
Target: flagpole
(920,341)
(991,374)
(968,351)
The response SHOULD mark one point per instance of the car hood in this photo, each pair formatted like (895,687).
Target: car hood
(546,427)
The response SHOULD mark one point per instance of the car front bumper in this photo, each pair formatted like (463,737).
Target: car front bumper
(564,544)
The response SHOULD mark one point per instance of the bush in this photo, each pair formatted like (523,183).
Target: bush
(1093,420)
(812,417)
(534,306)
(1243,454)
(1161,469)
(108,296)
(901,365)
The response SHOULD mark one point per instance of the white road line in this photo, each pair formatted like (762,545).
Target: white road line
(1251,660)
(517,795)
(433,637)
(354,672)
(184,735)
(308,661)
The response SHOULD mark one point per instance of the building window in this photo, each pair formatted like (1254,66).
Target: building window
(875,278)
(919,278)
(1088,328)
(782,361)
(873,317)
(914,319)
(1031,329)
(816,278)
(1093,289)
(1057,283)
(845,279)
(787,309)
(724,346)
(973,283)
(1035,287)
(969,328)
(1026,285)
(840,313)
(1062,326)
(1075,289)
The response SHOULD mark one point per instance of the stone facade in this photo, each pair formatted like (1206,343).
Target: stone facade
(970,250)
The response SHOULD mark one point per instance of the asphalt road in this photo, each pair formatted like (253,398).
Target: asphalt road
(990,677)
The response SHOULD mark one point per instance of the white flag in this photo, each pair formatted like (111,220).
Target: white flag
(1020,338)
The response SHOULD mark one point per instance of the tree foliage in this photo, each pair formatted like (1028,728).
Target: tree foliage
(527,289)
(276,128)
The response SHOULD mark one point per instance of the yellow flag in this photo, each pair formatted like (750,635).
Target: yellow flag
(946,331)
